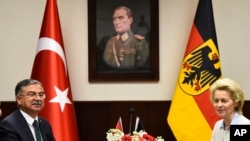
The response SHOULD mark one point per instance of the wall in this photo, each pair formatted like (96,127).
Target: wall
(20,27)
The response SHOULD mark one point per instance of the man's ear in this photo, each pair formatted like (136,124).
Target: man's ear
(18,100)
(131,20)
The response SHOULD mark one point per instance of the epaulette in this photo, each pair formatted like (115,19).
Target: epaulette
(139,37)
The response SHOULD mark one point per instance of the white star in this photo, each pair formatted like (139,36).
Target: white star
(61,98)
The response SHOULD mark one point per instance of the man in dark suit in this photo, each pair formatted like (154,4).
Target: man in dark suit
(19,125)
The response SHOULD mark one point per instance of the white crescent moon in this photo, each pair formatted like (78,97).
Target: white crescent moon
(45,43)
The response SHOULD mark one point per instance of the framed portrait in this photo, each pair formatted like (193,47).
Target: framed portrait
(123,40)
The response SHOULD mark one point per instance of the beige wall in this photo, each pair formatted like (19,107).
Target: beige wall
(20,23)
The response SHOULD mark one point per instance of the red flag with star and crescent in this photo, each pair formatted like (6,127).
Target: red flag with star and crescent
(119,124)
(50,68)
(192,116)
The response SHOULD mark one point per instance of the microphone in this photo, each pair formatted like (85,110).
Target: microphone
(131,111)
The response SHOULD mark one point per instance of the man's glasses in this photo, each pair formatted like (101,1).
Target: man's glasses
(34,95)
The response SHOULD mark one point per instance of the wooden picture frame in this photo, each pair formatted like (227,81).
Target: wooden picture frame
(100,29)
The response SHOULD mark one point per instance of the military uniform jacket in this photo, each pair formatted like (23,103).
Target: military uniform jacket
(126,51)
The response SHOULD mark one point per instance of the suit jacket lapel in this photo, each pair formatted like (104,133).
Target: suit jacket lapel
(24,126)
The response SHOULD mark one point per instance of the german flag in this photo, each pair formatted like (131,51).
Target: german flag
(192,116)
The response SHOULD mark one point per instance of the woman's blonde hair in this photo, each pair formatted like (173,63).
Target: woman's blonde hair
(233,88)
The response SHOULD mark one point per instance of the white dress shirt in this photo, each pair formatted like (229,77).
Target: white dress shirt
(30,121)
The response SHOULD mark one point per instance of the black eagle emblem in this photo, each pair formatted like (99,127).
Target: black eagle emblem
(200,69)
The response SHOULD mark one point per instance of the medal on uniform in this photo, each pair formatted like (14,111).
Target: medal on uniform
(121,54)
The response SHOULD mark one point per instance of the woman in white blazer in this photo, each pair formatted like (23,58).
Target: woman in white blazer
(227,98)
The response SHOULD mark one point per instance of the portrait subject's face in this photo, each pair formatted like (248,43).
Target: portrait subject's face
(121,21)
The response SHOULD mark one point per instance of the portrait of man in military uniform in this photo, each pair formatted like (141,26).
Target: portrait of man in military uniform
(125,50)
(123,40)
(123,36)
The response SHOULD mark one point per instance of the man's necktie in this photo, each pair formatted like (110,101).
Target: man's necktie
(37,130)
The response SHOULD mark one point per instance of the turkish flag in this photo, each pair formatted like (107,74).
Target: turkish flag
(119,124)
(50,67)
